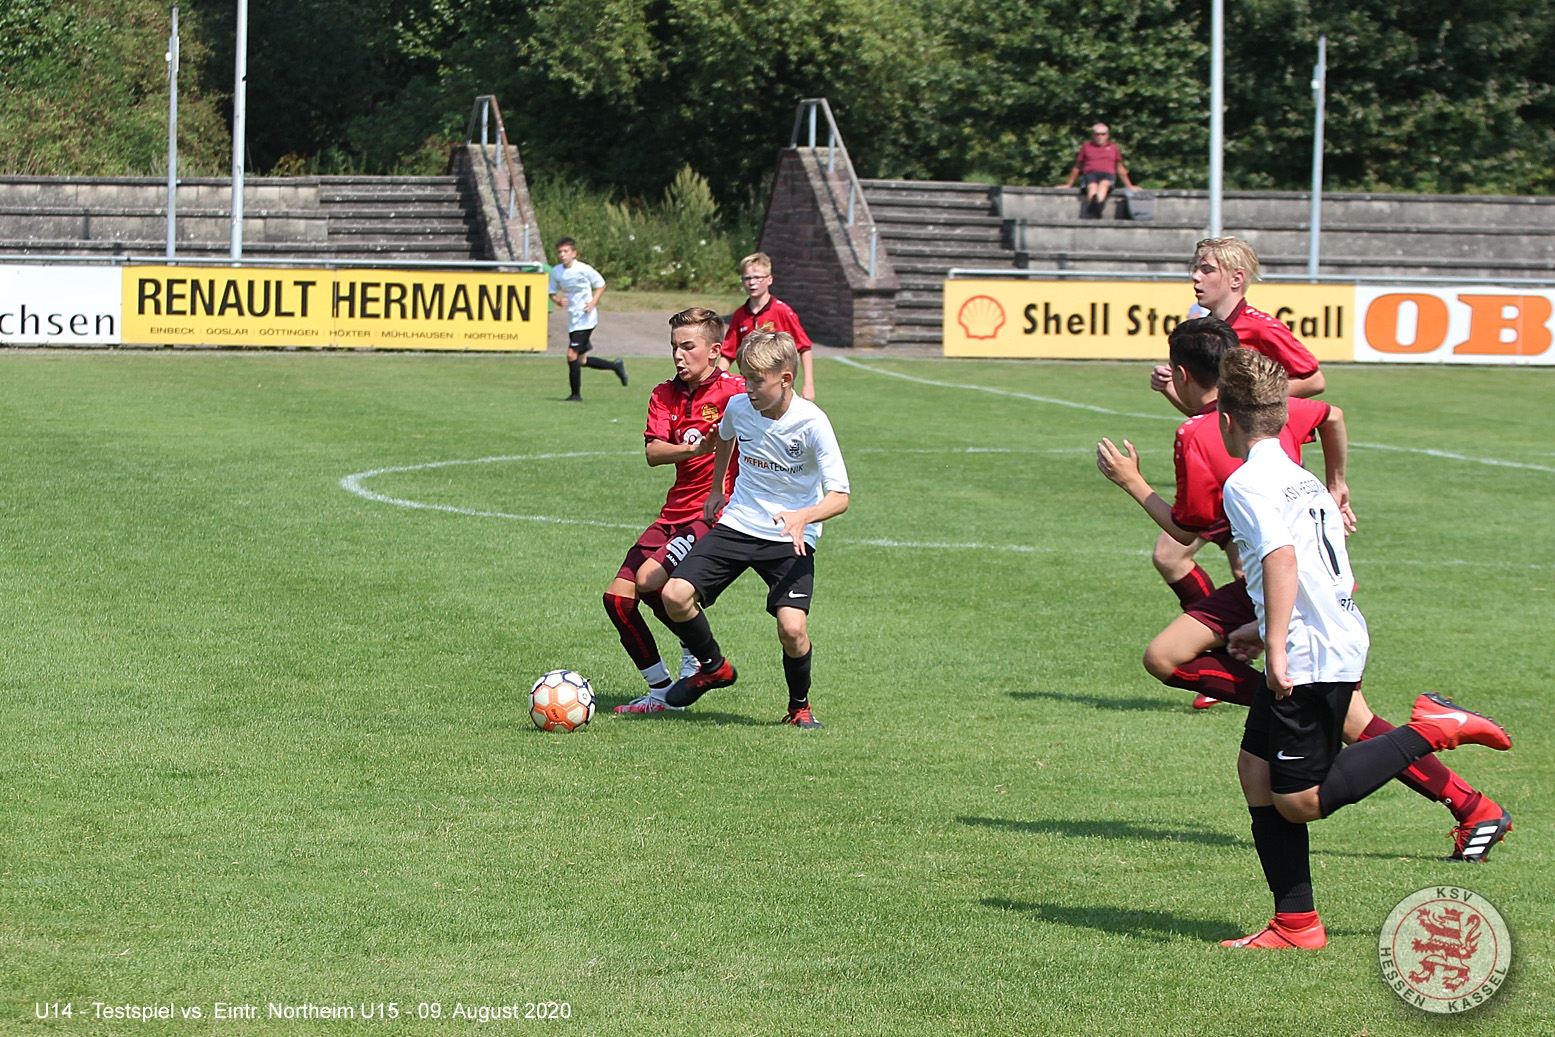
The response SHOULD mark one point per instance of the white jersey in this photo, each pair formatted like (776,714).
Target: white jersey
(785,465)
(577,284)
(1273,502)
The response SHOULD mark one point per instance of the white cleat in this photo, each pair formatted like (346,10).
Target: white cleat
(648,704)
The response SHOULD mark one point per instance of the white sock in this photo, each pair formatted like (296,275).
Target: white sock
(658,677)
(688,664)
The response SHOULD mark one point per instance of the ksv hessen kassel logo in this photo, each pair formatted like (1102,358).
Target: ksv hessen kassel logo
(1445,949)
(981,317)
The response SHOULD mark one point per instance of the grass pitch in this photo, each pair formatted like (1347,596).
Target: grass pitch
(265,741)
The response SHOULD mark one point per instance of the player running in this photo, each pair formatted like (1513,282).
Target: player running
(682,414)
(1193,652)
(792,478)
(1289,533)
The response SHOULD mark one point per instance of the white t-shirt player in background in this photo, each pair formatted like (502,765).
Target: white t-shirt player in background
(790,479)
(577,286)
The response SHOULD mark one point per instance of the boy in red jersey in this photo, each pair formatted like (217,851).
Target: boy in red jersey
(682,416)
(1289,534)
(1193,652)
(764,312)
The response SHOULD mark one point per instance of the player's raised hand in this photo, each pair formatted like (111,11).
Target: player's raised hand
(1161,377)
(714,503)
(793,523)
(1121,466)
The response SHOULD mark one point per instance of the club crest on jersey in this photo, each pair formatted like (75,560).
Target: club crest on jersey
(709,412)
(1445,950)
(794,449)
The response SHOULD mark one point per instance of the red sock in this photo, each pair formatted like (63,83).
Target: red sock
(1296,919)
(636,638)
(1432,778)
(1193,587)
(1219,676)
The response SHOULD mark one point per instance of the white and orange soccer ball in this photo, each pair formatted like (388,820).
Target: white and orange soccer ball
(561,701)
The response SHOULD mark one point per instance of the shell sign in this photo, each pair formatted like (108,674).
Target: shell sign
(1130,320)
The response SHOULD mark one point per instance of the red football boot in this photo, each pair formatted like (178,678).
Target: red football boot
(688,689)
(1275,936)
(1446,725)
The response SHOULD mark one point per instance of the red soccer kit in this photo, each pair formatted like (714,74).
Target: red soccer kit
(680,415)
(777,315)
(1203,465)
(1257,330)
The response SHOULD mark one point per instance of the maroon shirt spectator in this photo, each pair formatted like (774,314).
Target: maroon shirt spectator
(1097,166)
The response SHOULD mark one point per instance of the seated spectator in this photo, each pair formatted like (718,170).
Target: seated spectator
(1098,165)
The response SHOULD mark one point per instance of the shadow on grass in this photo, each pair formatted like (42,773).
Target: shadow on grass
(690,716)
(1103,702)
(1156,926)
(1108,830)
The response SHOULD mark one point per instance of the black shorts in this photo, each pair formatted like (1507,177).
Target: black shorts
(1299,734)
(723,554)
(1097,178)
(578,341)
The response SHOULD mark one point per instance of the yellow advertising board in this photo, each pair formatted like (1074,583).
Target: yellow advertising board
(378,308)
(1122,320)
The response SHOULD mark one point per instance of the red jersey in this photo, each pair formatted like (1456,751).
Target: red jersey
(1203,464)
(679,415)
(777,315)
(1099,158)
(1257,330)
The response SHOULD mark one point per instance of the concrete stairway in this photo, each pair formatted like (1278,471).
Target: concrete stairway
(928,227)
(322,217)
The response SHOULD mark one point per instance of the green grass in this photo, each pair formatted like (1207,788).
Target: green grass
(266,741)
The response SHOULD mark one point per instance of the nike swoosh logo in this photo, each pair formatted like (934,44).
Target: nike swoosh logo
(1461,718)
(1281,756)
(796,594)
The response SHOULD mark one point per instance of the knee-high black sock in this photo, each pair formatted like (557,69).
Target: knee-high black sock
(1283,852)
(575,376)
(1363,768)
(797,673)
(599,363)
(697,635)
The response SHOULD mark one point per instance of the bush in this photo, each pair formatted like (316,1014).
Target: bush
(677,243)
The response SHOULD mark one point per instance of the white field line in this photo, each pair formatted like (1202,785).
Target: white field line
(353,484)
(1444,454)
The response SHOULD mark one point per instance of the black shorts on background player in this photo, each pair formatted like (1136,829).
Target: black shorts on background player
(722,554)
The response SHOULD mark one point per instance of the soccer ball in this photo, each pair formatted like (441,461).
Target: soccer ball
(561,701)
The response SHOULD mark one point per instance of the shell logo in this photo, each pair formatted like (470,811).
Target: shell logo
(981,317)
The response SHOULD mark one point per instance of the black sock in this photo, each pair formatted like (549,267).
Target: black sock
(599,363)
(1363,768)
(575,376)
(1283,852)
(697,635)
(797,673)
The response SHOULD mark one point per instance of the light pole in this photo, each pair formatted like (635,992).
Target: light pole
(1320,97)
(172,137)
(239,106)
(1217,105)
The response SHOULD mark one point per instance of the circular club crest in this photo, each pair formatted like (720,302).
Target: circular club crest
(795,449)
(1445,949)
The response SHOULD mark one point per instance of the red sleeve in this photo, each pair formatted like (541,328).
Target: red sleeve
(1198,504)
(731,346)
(1304,416)
(1274,340)
(658,416)
(801,340)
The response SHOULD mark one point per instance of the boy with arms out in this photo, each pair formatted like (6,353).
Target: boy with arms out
(683,414)
(792,478)
(576,286)
(1192,652)
(765,312)
(1289,533)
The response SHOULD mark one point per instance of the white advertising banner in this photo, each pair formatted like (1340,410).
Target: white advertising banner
(1462,325)
(64,305)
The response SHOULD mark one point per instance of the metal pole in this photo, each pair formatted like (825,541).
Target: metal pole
(1217,105)
(831,149)
(172,138)
(1320,97)
(239,117)
(485,109)
(874,242)
(812,125)
(852,186)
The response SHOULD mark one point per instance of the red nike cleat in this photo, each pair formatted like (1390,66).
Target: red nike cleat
(1204,702)
(1446,725)
(688,689)
(1275,936)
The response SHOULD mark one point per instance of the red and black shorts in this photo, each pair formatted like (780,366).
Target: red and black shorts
(1300,734)
(1225,608)
(720,557)
(663,542)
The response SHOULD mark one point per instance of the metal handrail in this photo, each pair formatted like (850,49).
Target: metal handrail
(956,273)
(519,209)
(855,214)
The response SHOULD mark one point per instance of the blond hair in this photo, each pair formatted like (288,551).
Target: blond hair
(1254,390)
(756,259)
(710,324)
(1230,254)
(764,351)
